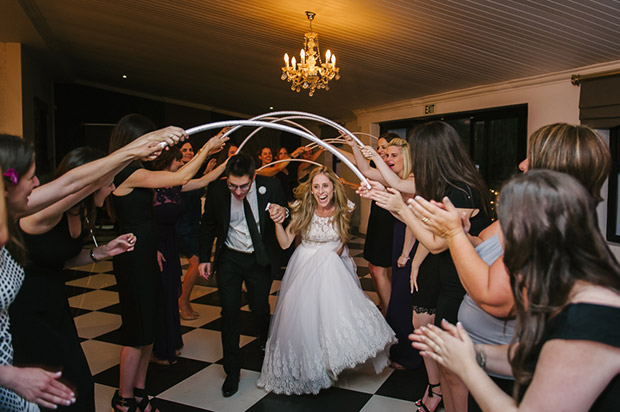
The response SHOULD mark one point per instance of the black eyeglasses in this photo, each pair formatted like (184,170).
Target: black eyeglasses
(243,188)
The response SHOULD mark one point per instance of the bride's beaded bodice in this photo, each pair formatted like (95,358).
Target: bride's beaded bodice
(322,229)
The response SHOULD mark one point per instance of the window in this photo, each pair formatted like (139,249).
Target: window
(613,212)
(496,138)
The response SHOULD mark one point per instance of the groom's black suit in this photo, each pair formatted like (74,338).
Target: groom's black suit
(233,267)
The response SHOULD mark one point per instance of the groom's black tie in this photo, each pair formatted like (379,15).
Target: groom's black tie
(259,247)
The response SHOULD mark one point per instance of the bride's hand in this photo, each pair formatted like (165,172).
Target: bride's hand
(277,213)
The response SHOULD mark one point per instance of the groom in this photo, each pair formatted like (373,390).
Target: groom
(246,250)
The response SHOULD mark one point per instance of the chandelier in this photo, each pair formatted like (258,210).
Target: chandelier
(310,73)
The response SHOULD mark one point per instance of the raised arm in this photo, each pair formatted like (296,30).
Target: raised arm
(155,179)
(204,181)
(76,179)
(272,170)
(488,285)
(362,163)
(392,201)
(390,178)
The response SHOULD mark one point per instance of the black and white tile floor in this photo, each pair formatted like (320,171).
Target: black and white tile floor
(193,384)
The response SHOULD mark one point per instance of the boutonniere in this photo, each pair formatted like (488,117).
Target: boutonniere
(262,190)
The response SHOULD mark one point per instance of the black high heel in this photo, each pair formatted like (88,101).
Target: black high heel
(118,401)
(145,402)
(429,387)
(431,393)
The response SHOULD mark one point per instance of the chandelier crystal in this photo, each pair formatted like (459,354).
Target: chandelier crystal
(310,72)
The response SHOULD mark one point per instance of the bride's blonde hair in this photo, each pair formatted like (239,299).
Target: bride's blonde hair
(302,210)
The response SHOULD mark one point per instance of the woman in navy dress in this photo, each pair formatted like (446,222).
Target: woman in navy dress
(168,206)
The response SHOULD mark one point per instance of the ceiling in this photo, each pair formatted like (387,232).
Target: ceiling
(227,54)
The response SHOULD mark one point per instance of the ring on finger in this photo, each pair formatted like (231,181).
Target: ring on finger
(424,219)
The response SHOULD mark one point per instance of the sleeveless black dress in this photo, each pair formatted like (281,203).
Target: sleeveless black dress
(379,237)
(451,291)
(595,323)
(43,329)
(136,272)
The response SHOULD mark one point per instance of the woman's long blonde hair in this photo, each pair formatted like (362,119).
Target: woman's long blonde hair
(302,210)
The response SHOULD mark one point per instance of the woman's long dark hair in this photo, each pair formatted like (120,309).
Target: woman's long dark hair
(16,154)
(75,158)
(440,160)
(128,129)
(551,241)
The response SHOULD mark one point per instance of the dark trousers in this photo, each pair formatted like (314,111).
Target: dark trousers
(234,268)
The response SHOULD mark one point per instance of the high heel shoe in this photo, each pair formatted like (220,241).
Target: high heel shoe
(117,402)
(431,393)
(429,387)
(144,403)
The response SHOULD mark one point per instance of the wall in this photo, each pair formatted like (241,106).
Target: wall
(550,98)
(38,109)
(10,89)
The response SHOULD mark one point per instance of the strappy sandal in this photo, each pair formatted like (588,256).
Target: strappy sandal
(431,393)
(118,401)
(144,403)
(429,389)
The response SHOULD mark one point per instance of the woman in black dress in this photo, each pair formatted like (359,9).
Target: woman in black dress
(137,273)
(41,312)
(566,285)
(25,197)
(442,167)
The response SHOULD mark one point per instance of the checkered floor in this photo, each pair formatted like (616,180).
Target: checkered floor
(193,384)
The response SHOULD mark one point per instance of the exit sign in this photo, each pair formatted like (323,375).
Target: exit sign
(429,109)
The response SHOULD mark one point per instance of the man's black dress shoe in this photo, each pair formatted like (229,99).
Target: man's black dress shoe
(231,385)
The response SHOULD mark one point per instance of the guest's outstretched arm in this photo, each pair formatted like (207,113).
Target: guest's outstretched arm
(156,179)
(82,176)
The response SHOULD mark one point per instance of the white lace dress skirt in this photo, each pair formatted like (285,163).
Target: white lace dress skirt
(323,323)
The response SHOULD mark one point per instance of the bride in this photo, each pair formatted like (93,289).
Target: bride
(323,322)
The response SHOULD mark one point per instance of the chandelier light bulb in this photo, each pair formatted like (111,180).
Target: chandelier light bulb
(328,55)
(302,53)
(334,60)
(293,62)
(286,59)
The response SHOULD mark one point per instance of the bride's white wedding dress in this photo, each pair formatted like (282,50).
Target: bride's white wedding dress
(323,322)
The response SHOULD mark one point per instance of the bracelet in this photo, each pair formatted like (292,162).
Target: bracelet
(92,256)
(480,355)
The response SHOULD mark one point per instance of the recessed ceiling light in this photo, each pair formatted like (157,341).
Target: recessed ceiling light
(124,76)
(270,107)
